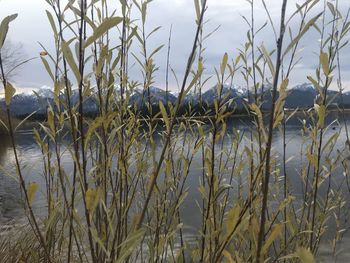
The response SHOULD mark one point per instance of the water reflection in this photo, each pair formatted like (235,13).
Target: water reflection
(31,162)
(4,146)
(32,166)
(10,197)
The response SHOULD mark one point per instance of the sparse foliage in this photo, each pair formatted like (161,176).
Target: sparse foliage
(123,199)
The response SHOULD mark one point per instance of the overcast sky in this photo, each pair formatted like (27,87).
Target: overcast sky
(32,27)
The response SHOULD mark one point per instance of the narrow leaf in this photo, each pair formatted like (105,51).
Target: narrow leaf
(9,92)
(305,255)
(106,25)
(52,23)
(268,60)
(224,63)
(197,7)
(324,62)
(302,33)
(165,115)
(91,198)
(70,60)
(31,191)
(4,28)
(274,234)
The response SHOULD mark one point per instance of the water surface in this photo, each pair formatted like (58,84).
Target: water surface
(32,166)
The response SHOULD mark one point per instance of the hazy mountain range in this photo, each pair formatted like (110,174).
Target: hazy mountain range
(300,96)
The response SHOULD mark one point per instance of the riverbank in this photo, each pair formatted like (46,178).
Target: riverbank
(24,125)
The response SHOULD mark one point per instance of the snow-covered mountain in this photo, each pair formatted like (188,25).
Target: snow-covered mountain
(140,97)
(89,104)
(233,93)
(346,99)
(301,96)
(24,104)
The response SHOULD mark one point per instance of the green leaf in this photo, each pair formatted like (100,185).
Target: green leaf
(9,92)
(106,25)
(144,12)
(332,8)
(4,27)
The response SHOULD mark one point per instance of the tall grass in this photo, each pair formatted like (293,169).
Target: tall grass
(123,199)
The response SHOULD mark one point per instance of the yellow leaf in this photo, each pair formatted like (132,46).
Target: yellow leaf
(91,198)
(9,92)
(198,145)
(197,8)
(31,191)
(232,218)
(321,116)
(168,167)
(305,29)
(50,119)
(224,63)
(305,255)
(274,234)
(46,64)
(228,256)
(258,112)
(278,119)
(70,59)
(324,62)
(268,59)
(321,111)
(312,159)
(284,85)
(106,25)
(165,115)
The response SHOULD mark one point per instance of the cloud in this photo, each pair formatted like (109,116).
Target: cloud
(31,28)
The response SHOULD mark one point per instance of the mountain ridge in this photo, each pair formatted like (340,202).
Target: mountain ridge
(299,96)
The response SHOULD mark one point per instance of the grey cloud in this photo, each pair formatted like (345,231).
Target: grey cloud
(32,26)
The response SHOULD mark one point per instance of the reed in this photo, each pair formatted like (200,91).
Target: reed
(124,198)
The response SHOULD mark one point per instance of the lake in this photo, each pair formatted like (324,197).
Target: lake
(32,165)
